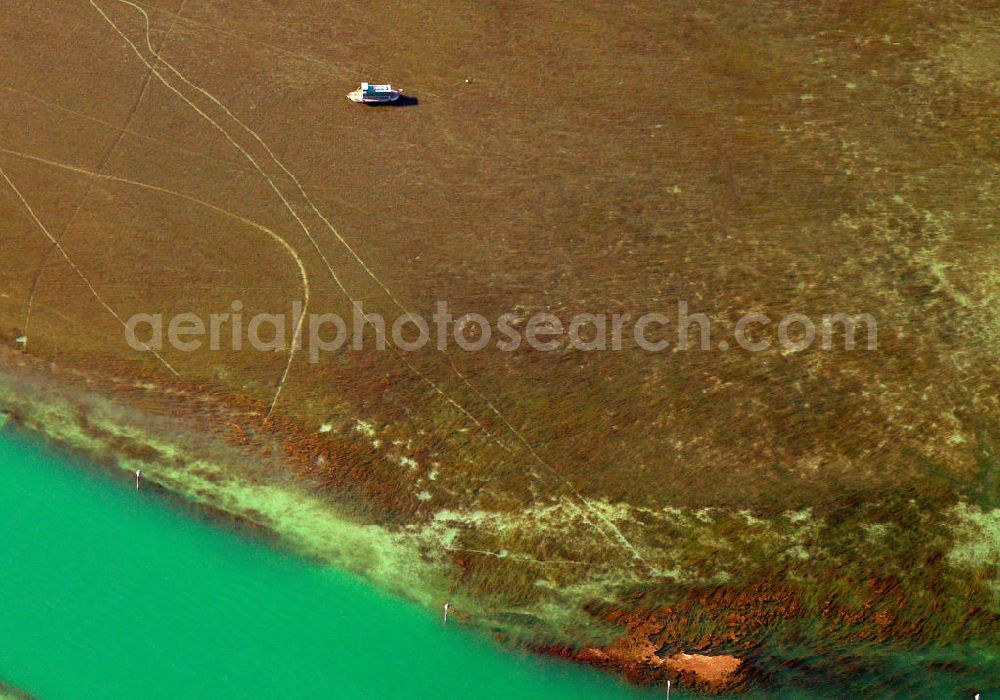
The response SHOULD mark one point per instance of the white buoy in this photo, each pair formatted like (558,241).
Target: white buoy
(447,609)
(138,478)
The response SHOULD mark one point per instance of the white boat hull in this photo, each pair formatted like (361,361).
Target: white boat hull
(358,96)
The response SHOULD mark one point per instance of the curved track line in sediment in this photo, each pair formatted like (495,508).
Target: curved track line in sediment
(105,158)
(306,296)
(58,246)
(617,536)
(281,196)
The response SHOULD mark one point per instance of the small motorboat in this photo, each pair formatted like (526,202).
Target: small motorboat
(374,94)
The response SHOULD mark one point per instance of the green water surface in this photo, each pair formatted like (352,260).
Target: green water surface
(106,592)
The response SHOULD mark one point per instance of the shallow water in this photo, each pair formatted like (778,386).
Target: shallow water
(109,592)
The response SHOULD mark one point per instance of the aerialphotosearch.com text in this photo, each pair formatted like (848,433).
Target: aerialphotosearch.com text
(321,333)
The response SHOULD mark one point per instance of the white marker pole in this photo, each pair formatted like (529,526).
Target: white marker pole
(138,478)
(668,690)
(447,607)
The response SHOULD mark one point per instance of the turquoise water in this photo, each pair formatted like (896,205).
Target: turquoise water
(106,592)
